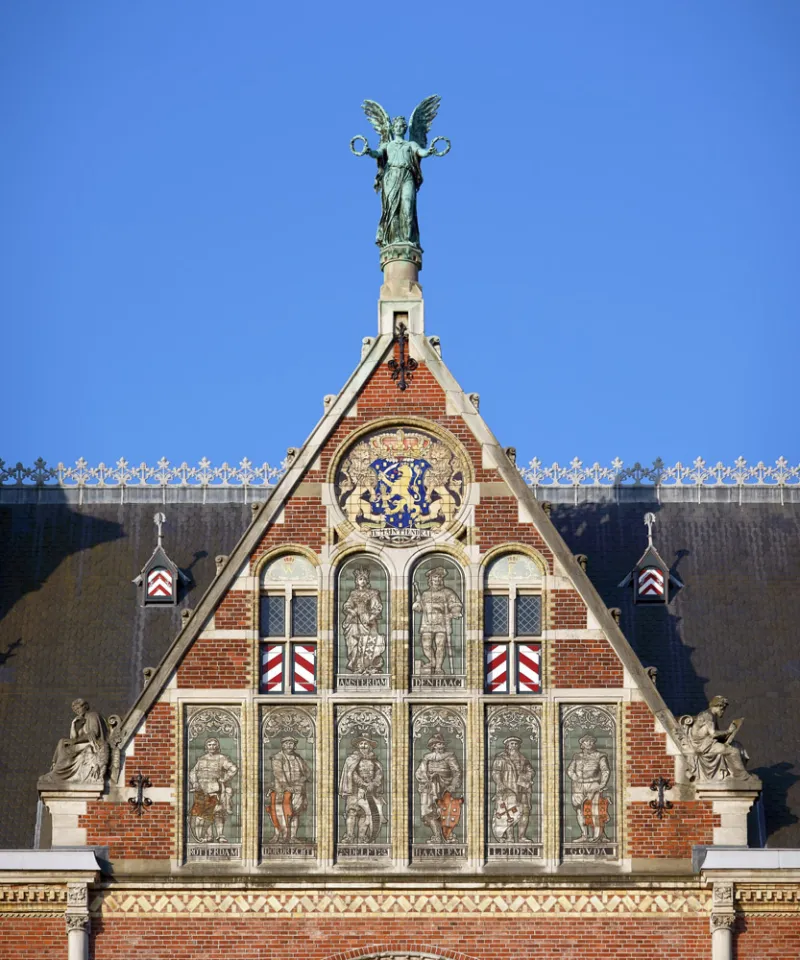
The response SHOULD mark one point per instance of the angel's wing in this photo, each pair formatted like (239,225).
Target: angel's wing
(422,118)
(379,119)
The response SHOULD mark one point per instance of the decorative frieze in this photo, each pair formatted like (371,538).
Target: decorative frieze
(378,901)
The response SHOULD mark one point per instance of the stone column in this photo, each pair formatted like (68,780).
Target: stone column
(77,936)
(721,936)
(722,920)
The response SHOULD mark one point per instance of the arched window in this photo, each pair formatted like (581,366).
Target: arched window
(512,614)
(437,615)
(288,623)
(362,626)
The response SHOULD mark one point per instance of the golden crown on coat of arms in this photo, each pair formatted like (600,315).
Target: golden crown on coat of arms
(401,444)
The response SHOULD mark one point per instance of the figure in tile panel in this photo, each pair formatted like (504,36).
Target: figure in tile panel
(364,782)
(513,808)
(288,766)
(589,759)
(214,801)
(438,622)
(363,605)
(439,762)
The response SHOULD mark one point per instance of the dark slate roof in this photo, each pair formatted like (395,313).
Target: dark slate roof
(733,629)
(71,623)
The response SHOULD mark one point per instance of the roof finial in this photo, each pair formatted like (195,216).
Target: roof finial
(159,520)
(649,521)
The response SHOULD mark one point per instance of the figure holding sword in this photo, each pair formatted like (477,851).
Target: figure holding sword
(439,606)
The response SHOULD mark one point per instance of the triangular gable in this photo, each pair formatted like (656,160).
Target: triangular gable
(268,512)
(458,404)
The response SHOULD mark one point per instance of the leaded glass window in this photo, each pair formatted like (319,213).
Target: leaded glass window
(529,615)
(512,608)
(304,615)
(496,620)
(273,615)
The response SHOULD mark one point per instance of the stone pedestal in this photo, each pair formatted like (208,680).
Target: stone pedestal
(401,295)
(66,804)
(731,800)
(401,264)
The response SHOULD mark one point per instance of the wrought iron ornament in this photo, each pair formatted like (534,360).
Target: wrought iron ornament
(576,474)
(660,804)
(402,369)
(140,801)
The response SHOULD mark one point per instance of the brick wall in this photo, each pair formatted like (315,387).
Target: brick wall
(211,662)
(503,938)
(672,837)
(688,823)
(647,749)
(154,750)
(235,612)
(127,836)
(304,520)
(496,522)
(562,938)
(116,825)
(37,938)
(585,663)
(568,610)
(767,938)
(422,398)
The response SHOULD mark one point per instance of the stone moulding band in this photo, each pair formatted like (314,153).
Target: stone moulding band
(536,474)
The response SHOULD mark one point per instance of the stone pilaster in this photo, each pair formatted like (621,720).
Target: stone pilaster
(77,920)
(722,921)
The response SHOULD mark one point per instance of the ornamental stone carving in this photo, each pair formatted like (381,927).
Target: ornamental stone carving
(723,895)
(77,921)
(86,756)
(712,755)
(722,921)
(77,895)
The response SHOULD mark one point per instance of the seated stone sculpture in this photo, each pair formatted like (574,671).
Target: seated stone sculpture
(712,754)
(84,756)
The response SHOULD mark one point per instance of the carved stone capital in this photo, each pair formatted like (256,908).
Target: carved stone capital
(77,921)
(401,251)
(722,921)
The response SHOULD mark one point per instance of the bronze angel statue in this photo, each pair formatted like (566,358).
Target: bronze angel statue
(399,174)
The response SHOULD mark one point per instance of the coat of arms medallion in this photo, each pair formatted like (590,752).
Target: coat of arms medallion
(401,484)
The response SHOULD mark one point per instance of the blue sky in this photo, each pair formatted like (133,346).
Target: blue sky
(611,247)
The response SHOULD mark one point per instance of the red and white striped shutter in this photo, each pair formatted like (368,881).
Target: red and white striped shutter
(160,584)
(529,672)
(304,668)
(496,667)
(272,668)
(651,583)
